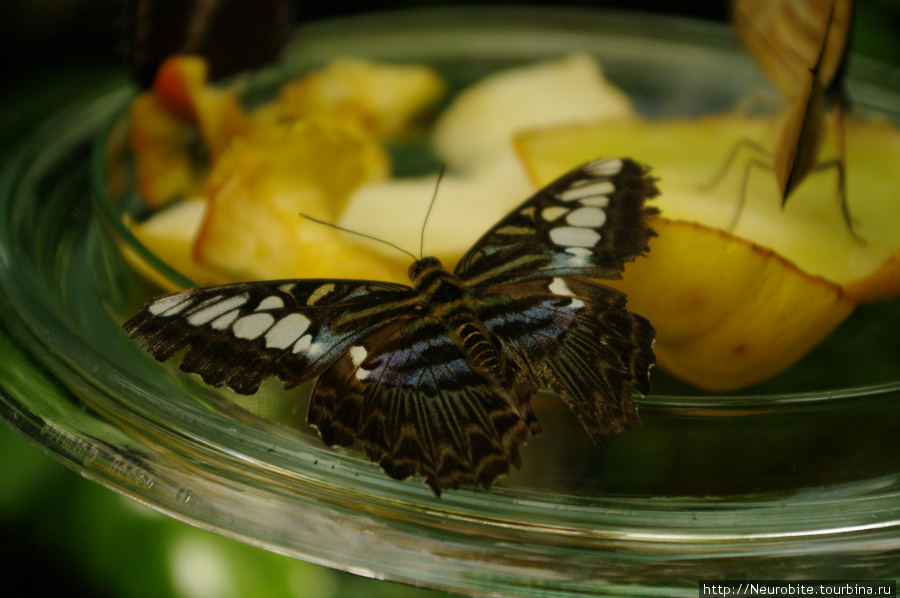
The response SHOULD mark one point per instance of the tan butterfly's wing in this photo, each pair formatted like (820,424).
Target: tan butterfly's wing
(801,133)
(786,37)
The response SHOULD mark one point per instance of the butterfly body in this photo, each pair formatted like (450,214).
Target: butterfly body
(436,378)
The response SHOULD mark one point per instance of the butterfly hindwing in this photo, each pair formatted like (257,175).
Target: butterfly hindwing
(241,334)
(589,222)
(416,404)
(575,337)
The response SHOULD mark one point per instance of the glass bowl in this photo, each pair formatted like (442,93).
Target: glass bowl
(798,477)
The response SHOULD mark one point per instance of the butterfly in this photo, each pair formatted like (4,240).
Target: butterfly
(802,45)
(436,378)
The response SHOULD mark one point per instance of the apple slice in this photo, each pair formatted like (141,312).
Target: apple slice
(733,308)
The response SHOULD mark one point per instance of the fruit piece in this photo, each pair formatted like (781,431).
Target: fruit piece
(162,144)
(728,312)
(809,231)
(177,126)
(482,120)
(383,99)
(258,189)
(170,235)
(182,86)
(733,309)
(466,206)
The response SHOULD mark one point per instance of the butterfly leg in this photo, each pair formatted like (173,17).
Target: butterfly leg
(838,165)
(745,183)
(732,156)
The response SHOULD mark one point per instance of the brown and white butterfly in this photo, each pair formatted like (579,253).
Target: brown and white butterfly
(436,378)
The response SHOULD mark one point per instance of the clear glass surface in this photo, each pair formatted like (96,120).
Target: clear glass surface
(797,477)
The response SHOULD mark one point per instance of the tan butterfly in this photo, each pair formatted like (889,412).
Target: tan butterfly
(802,46)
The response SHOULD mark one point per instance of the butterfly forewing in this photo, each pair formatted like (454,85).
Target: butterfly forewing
(243,333)
(586,223)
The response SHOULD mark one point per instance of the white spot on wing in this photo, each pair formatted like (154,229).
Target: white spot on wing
(604,167)
(214,310)
(358,354)
(253,326)
(598,201)
(579,255)
(223,322)
(307,347)
(270,302)
(579,192)
(573,236)
(588,217)
(286,331)
(553,212)
(319,293)
(302,343)
(559,287)
(170,305)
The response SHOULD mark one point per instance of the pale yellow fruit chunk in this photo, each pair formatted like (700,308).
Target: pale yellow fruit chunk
(483,118)
(169,234)
(466,206)
(728,313)
(734,309)
(384,99)
(257,191)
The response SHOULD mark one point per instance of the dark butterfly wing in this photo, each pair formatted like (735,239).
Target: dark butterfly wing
(575,337)
(589,223)
(532,273)
(411,399)
(241,334)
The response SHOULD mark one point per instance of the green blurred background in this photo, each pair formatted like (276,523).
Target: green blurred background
(61,533)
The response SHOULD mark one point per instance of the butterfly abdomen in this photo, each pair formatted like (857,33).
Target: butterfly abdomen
(450,302)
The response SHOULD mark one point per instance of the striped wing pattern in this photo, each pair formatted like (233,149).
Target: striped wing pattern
(589,222)
(436,379)
(240,334)
(575,337)
(413,400)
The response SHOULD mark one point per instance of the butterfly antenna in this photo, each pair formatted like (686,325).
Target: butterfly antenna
(428,213)
(359,234)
